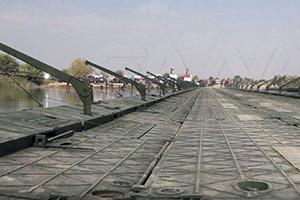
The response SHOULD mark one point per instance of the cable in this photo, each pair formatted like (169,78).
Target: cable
(269,61)
(239,52)
(32,97)
(221,68)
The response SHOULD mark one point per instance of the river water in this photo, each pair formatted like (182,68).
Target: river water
(14,99)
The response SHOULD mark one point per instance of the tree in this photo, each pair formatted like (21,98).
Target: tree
(211,81)
(120,72)
(79,69)
(166,75)
(33,75)
(195,78)
(237,79)
(28,69)
(8,64)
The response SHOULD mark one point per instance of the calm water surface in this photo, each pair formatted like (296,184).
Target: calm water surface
(14,99)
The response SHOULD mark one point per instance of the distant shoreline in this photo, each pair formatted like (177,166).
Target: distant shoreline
(110,85)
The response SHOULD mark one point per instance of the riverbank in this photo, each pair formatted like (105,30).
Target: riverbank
(95,85)
(14,82)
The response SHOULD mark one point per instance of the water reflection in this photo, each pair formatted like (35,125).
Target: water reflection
(14,99)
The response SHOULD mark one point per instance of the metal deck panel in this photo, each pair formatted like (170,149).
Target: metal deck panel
(214,150)
(208,153)
(106,156)
(19,128)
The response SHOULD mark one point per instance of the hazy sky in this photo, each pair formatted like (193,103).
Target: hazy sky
(253,38)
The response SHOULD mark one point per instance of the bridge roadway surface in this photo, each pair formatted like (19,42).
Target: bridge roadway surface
(202,144)
(17,129)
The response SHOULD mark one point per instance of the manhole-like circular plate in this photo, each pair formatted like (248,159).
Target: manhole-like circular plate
(296,125)
(121,183)
(66,143)
(253,186)
(108,194)
(170,191)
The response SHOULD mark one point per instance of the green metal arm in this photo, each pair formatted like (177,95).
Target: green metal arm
(83,90)
(260,83)
(161,86)
(184,84)
(244,83)
(141,88)
(171,83)
(248,84)
(292,81)
(273,82)
(236,84)
(178,83)
(253,84)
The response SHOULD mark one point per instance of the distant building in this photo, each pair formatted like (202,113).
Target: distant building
(187,76)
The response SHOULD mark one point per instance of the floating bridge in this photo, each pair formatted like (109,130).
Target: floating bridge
(192,144)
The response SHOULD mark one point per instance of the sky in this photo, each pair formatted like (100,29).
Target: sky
(219,38)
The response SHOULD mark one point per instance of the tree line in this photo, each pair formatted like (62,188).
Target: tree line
(10,67)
